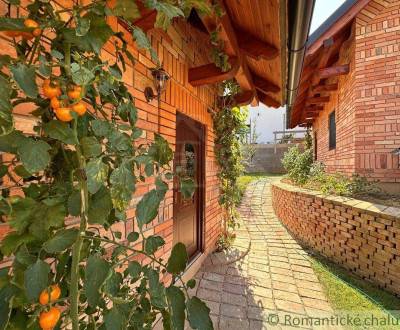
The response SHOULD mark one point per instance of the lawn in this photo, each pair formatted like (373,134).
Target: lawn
(350,294)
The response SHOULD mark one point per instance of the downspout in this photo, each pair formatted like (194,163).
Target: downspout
(300,21)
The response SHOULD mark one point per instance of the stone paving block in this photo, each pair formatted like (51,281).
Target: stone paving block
(285,295)
(284,286)
(283,278)
(234,299)
(213,277)
(289,306)
(317,304)
(312,294)
(208,294)
(234,311)
(212,285)
(213,306)
(230,323)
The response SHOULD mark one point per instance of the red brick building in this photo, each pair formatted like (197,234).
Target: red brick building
(257,64)
(349,90)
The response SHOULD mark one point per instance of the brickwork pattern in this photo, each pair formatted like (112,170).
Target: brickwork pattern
(274,278)
(360,236)
(179,48)
(367,101)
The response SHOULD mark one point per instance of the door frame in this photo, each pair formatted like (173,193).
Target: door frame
(200,211)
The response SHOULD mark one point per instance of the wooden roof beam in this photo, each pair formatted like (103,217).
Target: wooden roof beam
(254,47)
(211,74)
(265,85)
(268,100)
(313,108)
(231,47)
(318,99)
(325,88)
(245,98)
(334,71)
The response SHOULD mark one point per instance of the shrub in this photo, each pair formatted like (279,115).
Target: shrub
(298,163)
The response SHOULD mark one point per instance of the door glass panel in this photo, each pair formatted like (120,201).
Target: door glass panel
(190,161)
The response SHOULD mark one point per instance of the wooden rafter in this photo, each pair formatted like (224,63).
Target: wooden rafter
(211,74)
(268,100)
(265,85)
(334,71)
(325,88)
(254,47)
(244,98)
(318,99)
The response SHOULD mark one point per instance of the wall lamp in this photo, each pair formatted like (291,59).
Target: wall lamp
(160,79)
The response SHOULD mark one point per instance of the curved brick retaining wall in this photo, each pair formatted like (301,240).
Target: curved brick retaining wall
(362,237)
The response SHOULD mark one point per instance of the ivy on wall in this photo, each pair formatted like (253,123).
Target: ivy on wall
(84,162)
(230,131)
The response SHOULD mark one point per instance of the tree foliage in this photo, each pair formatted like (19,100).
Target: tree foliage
(86,167)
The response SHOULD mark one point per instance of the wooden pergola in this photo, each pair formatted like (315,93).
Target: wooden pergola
(254,36)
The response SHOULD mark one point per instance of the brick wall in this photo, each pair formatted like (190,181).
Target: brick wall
(178,49)
(362,237)
(342,102)
(367,103)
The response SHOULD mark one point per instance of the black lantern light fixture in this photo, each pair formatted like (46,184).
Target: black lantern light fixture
(160,79)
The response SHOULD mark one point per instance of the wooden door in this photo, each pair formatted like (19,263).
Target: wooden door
(188,162)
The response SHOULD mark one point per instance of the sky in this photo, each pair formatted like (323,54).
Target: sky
(269,119)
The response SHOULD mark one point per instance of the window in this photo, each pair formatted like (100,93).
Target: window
(332,131)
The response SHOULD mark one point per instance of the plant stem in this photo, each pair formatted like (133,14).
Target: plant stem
(76,250)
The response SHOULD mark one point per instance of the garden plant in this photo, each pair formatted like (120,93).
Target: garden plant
(74,178)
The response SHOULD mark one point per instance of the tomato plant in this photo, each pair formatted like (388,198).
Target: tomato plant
(83,165)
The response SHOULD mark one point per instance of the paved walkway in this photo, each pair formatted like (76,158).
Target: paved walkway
(273,282)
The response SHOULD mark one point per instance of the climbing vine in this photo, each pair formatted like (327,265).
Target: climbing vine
(83,164)
(230,131)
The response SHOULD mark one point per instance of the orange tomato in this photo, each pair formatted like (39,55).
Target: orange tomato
(50,91)
(75,92)
(55,103)
(30,23)
(48,320)
(63,114)
(79,108)
(45,297)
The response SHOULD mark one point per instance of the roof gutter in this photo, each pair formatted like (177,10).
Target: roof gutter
(300,21)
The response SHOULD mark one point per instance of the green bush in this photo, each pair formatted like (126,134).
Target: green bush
(298,163)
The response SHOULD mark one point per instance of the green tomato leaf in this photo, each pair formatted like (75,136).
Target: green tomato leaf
(96,272)
(147,208)
(36,279)
(153,243)
(198,314)
(23,214)
(97,173)
(6,119)
(115,71)
(191,283)
(133,236)
(59,131)
(156,289)
(74,203)
(34,155)
(101,128)
(81,75)
(25,76)
(123,184)
(134,270)
(13,241)
(160,150)
(90,146)
(115,319)
(82,26)
(176,301)
(126,9)
(61,241)
(178,259)
(100,206)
